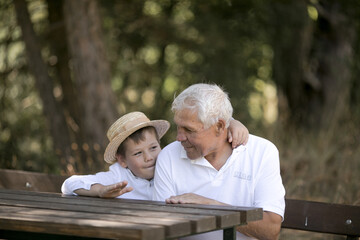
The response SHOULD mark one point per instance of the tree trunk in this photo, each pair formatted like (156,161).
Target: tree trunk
(312,61)
(337,34)
(60,60)
(91,73)
(52,109)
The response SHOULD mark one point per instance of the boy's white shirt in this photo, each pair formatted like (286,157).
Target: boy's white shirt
(250,177)
(142,188)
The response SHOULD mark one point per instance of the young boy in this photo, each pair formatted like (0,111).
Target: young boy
(132,151)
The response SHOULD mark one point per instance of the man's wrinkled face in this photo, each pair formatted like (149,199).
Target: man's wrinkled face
(197,141)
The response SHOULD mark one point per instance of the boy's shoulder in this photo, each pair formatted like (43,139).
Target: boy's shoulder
(116,167)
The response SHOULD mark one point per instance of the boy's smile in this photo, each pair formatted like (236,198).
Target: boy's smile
(140,157)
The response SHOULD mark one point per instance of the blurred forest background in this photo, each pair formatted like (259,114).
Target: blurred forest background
(69,69)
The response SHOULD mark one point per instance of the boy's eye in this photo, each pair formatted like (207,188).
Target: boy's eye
(154,147)
(137,153)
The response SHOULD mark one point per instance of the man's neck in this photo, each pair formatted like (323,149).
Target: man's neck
(218,157)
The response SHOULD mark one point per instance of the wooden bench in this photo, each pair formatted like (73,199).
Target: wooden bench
(299,214)
(321,217)
(32,181)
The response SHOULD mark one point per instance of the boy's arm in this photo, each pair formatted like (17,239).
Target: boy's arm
(86,185)
(237,133)
(109,191)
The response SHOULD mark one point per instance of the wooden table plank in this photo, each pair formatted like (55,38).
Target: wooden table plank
(79,227)
(199,223)
(173,227)
(123,215)
(224,219)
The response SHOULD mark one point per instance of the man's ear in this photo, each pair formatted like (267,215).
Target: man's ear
(220,127)
(121,160)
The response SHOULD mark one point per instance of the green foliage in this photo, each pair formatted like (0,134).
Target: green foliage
(24,141)
(157,48)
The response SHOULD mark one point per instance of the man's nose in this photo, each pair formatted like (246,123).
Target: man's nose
(180,136)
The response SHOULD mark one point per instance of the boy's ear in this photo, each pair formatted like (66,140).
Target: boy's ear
(121,160)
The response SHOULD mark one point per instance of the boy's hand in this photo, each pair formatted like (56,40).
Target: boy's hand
(237,133)
(113,190)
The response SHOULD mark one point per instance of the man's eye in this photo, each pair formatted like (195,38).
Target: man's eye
(188,130)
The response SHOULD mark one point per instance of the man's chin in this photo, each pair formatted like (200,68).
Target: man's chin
(192,156)
(191,153)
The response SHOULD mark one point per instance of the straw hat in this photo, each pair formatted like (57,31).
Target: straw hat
(127,125)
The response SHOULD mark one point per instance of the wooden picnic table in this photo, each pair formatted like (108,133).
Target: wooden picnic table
(40,215)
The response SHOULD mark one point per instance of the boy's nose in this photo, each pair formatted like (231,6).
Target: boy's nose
(148,157)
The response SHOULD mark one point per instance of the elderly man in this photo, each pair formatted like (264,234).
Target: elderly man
(201,166)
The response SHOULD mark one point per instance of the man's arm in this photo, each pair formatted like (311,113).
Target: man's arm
(192,198)
(267,228)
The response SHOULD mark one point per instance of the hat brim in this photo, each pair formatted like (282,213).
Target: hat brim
(161,127)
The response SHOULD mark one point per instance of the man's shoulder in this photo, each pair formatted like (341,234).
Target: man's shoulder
(256,142)
(169,153)
(172,146)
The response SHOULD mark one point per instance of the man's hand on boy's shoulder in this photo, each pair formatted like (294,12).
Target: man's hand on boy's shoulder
(113,190)
(238,134)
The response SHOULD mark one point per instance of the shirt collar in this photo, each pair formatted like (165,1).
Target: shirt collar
(203,161)
(198,161)
(136,177)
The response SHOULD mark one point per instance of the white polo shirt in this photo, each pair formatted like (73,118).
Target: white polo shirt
(143,189)
(250,177)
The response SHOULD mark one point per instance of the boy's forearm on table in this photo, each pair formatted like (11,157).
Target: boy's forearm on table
(93,192)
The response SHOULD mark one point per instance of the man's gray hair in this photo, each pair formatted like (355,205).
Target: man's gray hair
(210,102)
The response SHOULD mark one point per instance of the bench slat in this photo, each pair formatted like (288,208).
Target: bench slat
(32,181)
(322,217)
